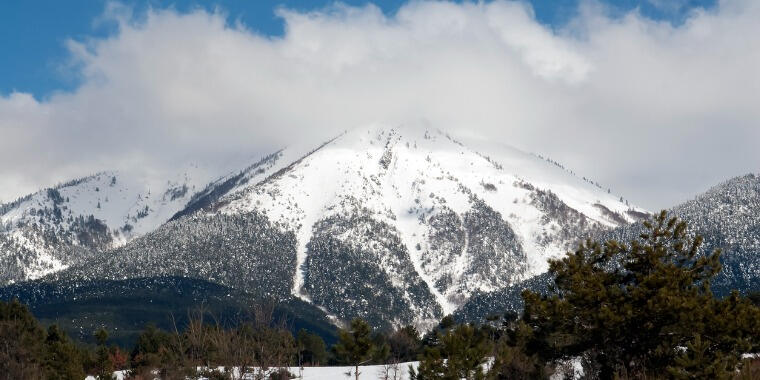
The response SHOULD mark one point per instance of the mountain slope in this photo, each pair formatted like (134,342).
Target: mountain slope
(393,225)
(126,307)
(726,216)
(67,224)
(75,222)
(245,252)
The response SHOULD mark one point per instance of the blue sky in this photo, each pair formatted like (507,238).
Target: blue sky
(33,33)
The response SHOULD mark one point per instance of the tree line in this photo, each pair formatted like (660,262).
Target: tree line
(642,310)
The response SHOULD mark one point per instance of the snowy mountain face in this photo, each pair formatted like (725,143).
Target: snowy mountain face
(726,216)
(462,220)
(404,226)
(245,252)
(395,226)
(65,225)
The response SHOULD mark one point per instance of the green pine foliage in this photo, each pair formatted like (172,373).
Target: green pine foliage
(404,344)
(27,351)
(312,350)
(512,359)
(642,310)
(460,353)
(62,359)
(151,351)
(21,343)
(355,345)
(103,365)
(697,361)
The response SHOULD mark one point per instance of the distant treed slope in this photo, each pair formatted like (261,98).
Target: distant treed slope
(245,252)
(728,217)
(126,307)
(72,222)
(66,225)
(226,185)
(473,251)
(508,299)
(17,261)
(33,250)
(358,267)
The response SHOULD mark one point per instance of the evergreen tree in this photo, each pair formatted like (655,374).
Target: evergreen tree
(355,345)
(103,364)
(629,310)
(27,351)
(62,359)
(151,348)
(697,362)
(460,354)
(21,343)
(405,344)
(101,336)
(511,359)
(311,348)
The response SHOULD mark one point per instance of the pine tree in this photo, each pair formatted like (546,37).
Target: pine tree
(630,309)
(62,359)
(511,359)
(101,336)
(459,354)
(405,344)
(21,342)
(311,348)
(104,365)
(355,345)
(696,362)
(27,351)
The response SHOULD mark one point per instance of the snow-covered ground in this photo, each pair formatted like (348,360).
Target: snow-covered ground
(374,372)
(398,371)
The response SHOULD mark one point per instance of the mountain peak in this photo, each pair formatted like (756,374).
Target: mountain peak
(455,212)
(400,224)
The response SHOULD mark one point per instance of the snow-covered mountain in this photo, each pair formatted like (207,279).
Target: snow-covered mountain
(393,225)
(66,224)
(464,219)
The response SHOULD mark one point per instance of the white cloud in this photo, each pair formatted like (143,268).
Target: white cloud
(657,112)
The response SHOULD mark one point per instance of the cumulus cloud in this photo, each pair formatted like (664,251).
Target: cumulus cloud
(655,111)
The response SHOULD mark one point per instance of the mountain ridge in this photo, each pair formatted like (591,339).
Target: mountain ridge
(390,224)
